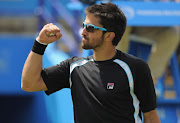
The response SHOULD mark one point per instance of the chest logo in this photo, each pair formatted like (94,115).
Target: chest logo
(110,85)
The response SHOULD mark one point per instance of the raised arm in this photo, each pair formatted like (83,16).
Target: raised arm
(31,79)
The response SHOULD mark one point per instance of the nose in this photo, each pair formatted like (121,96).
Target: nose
(84,31)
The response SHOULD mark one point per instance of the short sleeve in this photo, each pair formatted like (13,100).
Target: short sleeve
(56,77)
(144,88)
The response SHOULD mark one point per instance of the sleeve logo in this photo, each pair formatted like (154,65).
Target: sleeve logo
(110,85)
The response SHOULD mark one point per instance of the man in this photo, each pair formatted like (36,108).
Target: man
(108,87)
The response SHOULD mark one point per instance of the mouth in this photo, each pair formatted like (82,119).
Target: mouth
(84,38)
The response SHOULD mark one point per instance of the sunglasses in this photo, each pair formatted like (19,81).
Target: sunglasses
(91,28)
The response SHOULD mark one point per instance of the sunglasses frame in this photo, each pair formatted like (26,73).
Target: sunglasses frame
(95,27)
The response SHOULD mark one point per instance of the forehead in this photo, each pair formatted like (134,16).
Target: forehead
(91,19)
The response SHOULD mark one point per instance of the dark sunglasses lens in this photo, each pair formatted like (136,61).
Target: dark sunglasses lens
(89,28)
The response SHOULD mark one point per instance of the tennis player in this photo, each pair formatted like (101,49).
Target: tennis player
(108,87)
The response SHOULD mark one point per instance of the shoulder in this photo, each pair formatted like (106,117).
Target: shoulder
(136,65)
(76,59)
(131,60)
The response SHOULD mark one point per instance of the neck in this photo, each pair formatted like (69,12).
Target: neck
(104,54)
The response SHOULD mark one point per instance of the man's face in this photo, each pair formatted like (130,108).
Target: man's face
(92,40)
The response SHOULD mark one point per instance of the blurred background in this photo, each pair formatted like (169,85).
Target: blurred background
(152,34)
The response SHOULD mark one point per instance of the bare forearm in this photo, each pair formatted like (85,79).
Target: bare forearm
(151,117)
(31,71)
(154,120)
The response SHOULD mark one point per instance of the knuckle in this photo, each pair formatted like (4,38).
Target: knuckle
(46,25)
(47,29)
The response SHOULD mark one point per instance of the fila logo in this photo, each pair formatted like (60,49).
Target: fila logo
(110,85)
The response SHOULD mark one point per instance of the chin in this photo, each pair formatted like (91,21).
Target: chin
(86,47)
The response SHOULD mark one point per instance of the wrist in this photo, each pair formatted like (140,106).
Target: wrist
(38,40)
(39,47)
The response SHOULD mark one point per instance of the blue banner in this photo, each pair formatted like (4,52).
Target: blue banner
(141,13)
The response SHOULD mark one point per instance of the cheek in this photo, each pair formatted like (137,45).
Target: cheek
(98,38)
(95,37)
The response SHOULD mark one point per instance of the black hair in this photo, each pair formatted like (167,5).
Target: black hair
(111,17)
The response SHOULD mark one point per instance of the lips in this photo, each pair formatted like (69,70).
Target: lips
(85,38)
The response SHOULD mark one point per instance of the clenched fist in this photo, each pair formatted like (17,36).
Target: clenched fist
(49,34)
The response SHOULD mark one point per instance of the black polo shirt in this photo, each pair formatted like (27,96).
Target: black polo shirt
(112,91)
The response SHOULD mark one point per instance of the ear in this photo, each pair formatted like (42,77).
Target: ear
(109,36)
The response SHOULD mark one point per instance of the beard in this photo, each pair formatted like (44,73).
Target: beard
(86,43)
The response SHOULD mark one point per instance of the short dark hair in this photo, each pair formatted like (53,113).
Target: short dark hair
(111,17)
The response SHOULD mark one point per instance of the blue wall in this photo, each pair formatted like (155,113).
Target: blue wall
(16,105)
(16,8)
